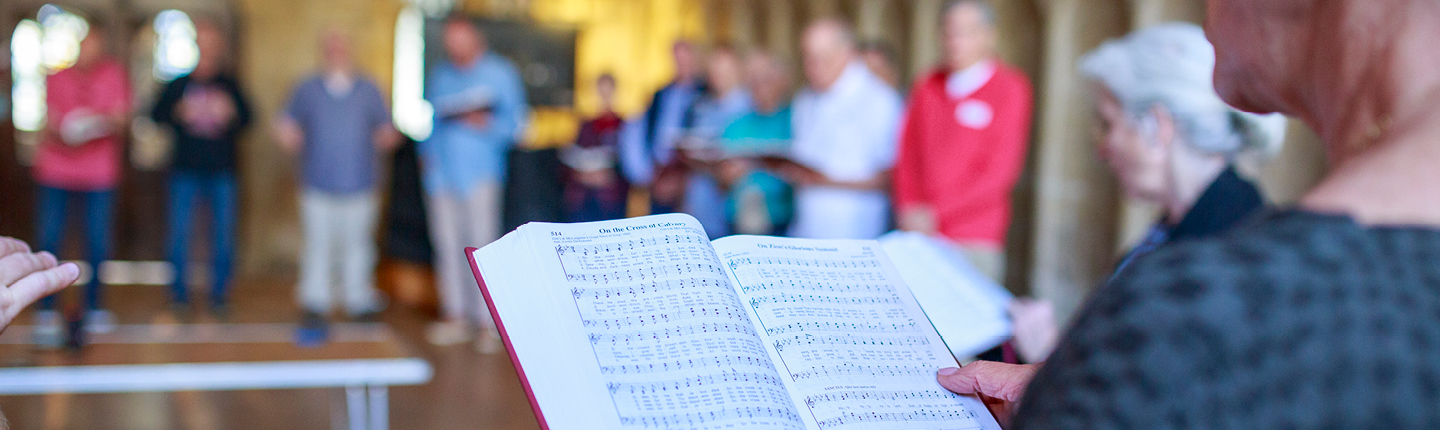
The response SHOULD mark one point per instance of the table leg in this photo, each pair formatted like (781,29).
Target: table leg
(355,403)
(379,407)
(339,420)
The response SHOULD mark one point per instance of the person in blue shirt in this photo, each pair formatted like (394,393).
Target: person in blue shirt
(337,124)
(480,110)
(724,100)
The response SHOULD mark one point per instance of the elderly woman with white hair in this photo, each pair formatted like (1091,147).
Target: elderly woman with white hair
(1168,136)
(1171,141)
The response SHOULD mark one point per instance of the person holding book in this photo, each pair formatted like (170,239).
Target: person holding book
(845,124)
(964,140)
(594,188)
(207,111)
(1319,316)
(723,100)
(648,142)
(337,123)
(480,112)
(79,160)
(758,201)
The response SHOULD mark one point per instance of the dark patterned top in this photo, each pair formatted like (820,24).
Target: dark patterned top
(1299,321)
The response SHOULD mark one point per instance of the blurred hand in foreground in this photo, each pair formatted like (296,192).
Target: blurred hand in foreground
(27,276)
(1036,331)
(999,385)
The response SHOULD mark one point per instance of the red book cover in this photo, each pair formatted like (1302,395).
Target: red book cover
(500,325)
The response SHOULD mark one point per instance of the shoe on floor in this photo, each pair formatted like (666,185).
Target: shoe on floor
(313,330)
(99,321)
(448,333)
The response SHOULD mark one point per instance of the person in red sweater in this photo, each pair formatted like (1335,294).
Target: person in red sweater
(963,141)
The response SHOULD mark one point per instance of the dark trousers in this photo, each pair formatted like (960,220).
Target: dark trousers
(53,212)
(218,190)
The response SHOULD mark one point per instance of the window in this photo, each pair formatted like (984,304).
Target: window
(175,51)
(39,47)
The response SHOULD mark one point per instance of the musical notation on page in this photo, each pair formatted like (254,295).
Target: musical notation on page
(641,274)
(853,327)
(723,378)
(736,263)
(872,396)
(804,285)
(672,339)
(920,415)
(730,314)
(705,329)
(648,288)
(821,299)
(790,418)
(849,340)
(631,245)
(852,372)
(670,366)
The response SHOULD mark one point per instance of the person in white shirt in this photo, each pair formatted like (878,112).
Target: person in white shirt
(845,124)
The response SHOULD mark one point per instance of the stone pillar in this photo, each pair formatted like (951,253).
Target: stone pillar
(816,9)
(924,35)
(870,19)
(742,23)
(1075,202)
(780,27)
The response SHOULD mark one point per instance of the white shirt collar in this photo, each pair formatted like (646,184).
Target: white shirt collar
(964,83)
(852,77)
(339,84)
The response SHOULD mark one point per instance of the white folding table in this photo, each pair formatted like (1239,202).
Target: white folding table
(365,380)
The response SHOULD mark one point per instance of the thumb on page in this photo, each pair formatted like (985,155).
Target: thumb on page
(999,381)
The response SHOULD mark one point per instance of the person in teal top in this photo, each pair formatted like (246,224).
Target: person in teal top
(759,201)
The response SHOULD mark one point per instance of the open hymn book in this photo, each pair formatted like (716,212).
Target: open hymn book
(645,323)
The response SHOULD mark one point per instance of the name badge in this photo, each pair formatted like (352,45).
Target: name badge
(974,114)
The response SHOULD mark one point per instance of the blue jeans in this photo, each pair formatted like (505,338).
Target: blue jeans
(53,211)
(219,190)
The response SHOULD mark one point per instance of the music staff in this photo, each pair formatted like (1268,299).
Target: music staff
(697,381)
(808,339)
(920,415)
(853,370)
(644,320)
(653,287)
(851,396)
(631,245)
(736,263)
(843,327)
(831,287)
(811,298)
(691,419)
(652,272)
(686,364)
(685,330)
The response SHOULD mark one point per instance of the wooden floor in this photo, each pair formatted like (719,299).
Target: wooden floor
(469,390)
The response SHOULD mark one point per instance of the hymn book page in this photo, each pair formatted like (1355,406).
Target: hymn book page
(651,334)
(850,342)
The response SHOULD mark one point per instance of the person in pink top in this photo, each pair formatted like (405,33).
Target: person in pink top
(79,161)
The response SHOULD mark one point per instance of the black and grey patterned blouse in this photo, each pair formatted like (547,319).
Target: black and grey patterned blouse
(1298,321)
